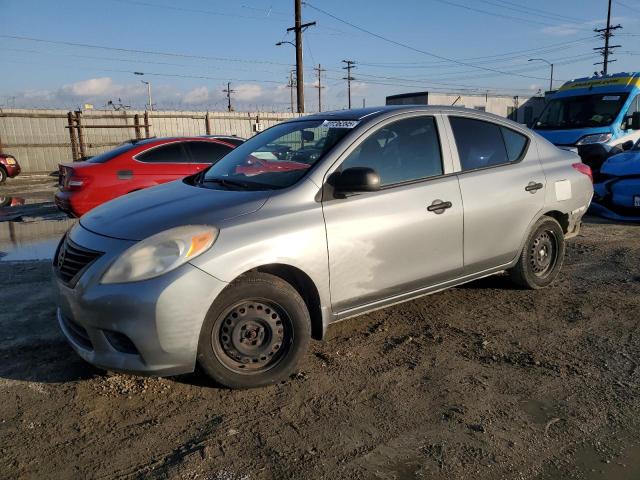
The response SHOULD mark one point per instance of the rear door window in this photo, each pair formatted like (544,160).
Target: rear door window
(207,152)
(170,153)
(484,144)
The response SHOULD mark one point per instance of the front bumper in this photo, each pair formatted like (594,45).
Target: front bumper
(148,327)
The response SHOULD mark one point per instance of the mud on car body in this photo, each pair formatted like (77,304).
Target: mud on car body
(237,268)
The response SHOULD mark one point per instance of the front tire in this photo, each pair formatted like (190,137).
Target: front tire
(542,256)
(254,333)
(3,174)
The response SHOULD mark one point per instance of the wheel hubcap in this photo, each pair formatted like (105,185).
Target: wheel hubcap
(542,253)
(251,336)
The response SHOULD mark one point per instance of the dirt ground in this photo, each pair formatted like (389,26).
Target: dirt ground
(483,381)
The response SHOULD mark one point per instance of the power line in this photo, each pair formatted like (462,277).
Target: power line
(496,57)
(417,50)
(145,52)
(528,9)
(194,10)
(494,14)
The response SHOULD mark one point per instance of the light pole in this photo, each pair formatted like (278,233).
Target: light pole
(148,84)
(548,63)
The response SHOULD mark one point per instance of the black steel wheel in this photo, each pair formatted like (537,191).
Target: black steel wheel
(255,332)
(252,336)
(542,256)
(543,252)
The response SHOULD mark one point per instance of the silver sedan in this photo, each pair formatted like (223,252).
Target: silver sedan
(312,221)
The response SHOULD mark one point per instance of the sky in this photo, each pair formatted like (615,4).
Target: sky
(67,53)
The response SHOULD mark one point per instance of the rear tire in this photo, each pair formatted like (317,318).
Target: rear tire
(3,174)
(542,256)
(254,333)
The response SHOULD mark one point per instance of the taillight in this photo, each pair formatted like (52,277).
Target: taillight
(69,180)
(582,168)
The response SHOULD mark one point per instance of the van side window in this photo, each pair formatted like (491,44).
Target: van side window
(483,144)
(634,107)
(402,151)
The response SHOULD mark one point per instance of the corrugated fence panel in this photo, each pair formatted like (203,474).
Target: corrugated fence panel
(40,140)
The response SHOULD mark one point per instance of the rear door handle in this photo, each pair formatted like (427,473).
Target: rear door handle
(533,187)
(438,206)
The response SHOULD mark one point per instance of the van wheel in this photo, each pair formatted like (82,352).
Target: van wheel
(542,255)
(254,333)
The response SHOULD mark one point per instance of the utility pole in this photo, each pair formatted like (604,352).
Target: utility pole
(348,78)
(228,91)
(319,71)
(291,85)
(606,34)
(298,29)
(148,84)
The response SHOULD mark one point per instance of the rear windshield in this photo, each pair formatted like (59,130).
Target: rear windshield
(108,155)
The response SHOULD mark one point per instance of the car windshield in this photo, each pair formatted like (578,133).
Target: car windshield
(278,157)
(108,155)
(581,111)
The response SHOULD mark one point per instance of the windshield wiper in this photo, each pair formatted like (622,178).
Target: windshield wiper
(225,182)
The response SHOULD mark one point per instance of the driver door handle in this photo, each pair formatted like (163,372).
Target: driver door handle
(533,187)
(438,206)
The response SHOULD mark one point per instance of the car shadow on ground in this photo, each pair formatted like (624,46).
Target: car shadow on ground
(53,361)
(498,281)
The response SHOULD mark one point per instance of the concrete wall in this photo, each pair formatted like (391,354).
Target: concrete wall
(40,141)
(524,109)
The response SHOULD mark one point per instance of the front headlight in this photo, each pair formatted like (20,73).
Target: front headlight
(160,253)
(595,138)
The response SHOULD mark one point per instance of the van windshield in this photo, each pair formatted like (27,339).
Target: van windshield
(581,111)
(277,157)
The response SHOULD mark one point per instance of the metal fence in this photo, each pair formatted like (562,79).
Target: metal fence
(41,139)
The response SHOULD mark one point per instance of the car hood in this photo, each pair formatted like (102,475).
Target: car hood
(138,215)
(569,137)
(622,164)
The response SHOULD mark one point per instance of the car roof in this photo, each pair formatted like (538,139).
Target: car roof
(368,114)
(147,141)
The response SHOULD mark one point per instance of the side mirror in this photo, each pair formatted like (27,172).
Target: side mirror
(354,180)
(634,122)
(628,145)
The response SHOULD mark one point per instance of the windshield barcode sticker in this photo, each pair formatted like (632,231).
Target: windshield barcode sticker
(339,123)
(611,98)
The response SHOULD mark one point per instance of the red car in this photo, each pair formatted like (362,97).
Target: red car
(133,166)
(9,167)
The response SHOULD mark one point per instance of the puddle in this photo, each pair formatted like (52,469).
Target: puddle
(43,250)
(594,466)
(21,241)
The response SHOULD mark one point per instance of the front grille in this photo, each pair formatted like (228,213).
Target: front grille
(77,332)
(71,260)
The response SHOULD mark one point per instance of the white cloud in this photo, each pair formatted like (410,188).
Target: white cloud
(92,87)
(248,92)
(196,96)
